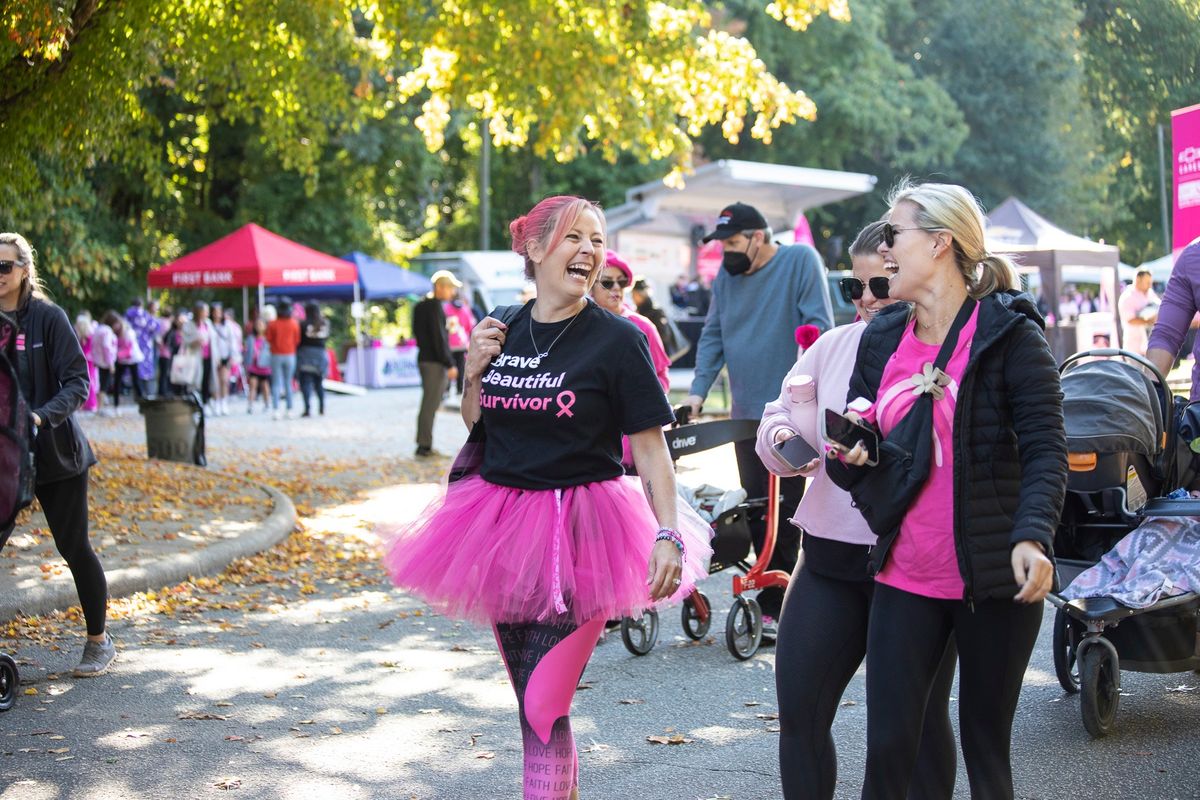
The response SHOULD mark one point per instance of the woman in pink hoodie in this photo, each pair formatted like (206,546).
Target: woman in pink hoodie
(823,625)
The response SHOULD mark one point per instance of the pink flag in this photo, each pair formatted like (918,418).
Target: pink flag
(802,232)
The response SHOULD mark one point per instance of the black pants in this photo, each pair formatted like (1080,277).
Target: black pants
(65,504)
(787,543)
(822,640)
(118,382)
(905,642)
(164,377)
(206,379)
(460,363)
(312,383)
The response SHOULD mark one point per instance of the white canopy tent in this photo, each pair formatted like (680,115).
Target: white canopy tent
(658,228)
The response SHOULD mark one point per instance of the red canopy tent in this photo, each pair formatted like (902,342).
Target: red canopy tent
(254,256)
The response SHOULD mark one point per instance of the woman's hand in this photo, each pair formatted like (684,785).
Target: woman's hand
(1033,572)
(487,339)
(666,566)
(855,456)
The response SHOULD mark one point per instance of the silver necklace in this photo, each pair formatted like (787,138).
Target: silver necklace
(538,354)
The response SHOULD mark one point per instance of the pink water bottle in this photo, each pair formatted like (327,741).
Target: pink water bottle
(802,390)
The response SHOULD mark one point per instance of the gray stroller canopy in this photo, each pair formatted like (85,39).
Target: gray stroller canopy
(1111,406)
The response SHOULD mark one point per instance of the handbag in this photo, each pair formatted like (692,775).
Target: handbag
(185,367)
(884,492)
(17,462)
(469,458)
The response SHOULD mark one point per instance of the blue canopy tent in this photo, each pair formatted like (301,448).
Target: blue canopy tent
(377,280)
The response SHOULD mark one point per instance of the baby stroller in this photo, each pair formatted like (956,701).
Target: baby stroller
(1125,455)
(731,546)
(16,473)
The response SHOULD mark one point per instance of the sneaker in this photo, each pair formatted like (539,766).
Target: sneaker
(770,630)
(275,414)
(426,452)
(97,657)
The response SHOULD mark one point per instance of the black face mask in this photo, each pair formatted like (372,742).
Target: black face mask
(735,263)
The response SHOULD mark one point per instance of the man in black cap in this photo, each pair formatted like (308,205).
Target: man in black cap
(763,292)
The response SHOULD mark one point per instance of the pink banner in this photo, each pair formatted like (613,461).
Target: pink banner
(1185,139)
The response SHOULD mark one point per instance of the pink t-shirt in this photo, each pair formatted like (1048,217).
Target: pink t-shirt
(923,559)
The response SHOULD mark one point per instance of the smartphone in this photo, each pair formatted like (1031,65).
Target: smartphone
(843,431)
(796,452)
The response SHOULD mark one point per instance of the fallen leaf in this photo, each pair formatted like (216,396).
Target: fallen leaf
(486,754)
(59,750)
(229,783)
(774,715)
(631,702)
(201,715)
(677,738)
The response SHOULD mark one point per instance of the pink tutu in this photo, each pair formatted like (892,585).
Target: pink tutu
(491,553)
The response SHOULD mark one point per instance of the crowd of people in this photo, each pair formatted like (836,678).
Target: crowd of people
(153,351)
(561,511)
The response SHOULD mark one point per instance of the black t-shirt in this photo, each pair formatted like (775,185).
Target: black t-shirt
(557,421)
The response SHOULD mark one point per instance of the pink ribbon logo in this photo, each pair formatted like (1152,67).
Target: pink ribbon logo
(565,400)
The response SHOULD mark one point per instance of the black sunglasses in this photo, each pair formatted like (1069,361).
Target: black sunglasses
(890,231)
(611,283)
(6,267)
(852,288)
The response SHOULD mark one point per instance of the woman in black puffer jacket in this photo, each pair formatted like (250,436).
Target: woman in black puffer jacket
(972,555)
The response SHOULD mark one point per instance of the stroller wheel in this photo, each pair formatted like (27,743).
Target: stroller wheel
(1100,688)
(693,626)
(743,628)
(641,633)
(1066,642)
(10,681)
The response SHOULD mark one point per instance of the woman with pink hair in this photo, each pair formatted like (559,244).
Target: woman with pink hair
(549,540)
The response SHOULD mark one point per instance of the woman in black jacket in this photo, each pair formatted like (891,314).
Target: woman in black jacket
(54,379)
(972,554)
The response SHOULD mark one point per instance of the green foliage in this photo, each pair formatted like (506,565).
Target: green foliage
(1142,60)
(1011,67)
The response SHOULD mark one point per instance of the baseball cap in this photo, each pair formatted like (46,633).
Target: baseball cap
(735,219)
(445,275)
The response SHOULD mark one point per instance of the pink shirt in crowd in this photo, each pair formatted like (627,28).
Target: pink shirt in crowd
(658,353)
(923,559)
(825,510)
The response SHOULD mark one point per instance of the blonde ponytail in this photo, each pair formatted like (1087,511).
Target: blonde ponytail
(996,274)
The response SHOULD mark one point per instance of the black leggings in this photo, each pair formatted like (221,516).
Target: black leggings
(822,639)
(65,504)
(905,643)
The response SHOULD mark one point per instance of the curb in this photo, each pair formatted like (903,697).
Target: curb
(168,571)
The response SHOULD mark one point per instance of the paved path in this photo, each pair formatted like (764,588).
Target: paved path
(303,674)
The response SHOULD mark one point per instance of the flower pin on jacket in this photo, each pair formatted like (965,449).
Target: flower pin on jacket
(930,380)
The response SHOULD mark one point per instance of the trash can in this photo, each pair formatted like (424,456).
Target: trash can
(175,429)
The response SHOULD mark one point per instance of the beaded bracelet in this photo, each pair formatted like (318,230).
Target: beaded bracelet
(672,536)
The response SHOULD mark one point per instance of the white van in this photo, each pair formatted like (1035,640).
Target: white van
(491,278)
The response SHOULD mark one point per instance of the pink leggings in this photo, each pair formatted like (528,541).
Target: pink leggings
(545,662)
